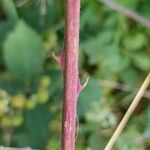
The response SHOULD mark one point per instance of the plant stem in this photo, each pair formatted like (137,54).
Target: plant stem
(71,47)
(10,10)
(68,60)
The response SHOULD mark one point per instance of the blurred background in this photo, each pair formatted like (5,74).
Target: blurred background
(114,53)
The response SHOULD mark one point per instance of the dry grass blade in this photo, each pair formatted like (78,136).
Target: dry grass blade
(129,13)
(128,113)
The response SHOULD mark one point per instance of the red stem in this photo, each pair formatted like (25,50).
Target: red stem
(71,84)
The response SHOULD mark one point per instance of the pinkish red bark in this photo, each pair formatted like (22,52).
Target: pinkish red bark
(68,60)
(71,47)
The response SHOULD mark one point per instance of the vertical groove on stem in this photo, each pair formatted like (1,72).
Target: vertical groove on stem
(71,47)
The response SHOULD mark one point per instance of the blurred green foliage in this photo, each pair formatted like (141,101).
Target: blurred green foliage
(113,48)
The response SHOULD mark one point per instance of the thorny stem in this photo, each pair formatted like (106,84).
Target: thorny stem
(71,46)
(68,60)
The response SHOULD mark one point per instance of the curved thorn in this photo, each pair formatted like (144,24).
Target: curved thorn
(81,87)
(86,82)
(59,58)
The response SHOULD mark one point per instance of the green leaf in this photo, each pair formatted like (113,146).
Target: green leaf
(88,97)
(56,84)
(142,60)
(111,61)
(128,140)
(147,129)
(10,10)
(5,28)
(130,76)
(91,12)
(97,141)
(35,128)
(23,52)
(135,42)
(94,47)
(144,9)
(98,114)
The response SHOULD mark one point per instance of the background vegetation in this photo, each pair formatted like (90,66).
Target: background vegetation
(114,52)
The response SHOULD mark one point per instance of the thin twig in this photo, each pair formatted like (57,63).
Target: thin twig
(128,113)
(129,13)
(121,87)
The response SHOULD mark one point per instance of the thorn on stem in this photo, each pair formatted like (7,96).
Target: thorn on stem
(81,87)
(60,58)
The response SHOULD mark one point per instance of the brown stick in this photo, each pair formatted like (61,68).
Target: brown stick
(129,13)
(128,113)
